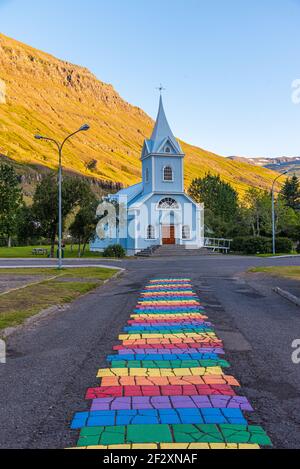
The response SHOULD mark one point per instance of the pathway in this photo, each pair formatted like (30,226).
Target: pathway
(165,387)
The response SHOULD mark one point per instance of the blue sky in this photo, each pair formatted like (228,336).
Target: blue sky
(227,66)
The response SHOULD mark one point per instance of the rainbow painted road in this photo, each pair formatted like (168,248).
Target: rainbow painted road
(165,387)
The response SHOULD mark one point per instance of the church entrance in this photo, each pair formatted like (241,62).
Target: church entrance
(168,234)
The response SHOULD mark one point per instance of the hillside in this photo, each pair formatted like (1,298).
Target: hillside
(42,94)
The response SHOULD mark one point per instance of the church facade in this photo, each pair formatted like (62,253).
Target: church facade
(156,211)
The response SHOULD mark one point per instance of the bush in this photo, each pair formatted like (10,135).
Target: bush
(260,245)
(284,245)
(252,245)
(115,250)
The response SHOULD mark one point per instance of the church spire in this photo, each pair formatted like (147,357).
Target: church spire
(162,132)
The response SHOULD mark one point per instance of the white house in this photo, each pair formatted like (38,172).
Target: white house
(156,211)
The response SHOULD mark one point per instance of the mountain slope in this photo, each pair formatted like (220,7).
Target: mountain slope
(42,94)
(279,164)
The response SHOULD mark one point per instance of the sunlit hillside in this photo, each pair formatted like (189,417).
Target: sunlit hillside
(42,94)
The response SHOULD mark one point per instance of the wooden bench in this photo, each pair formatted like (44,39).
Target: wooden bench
(40,252)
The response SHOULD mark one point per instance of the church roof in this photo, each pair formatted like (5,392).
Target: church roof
(161,134)
(130,192)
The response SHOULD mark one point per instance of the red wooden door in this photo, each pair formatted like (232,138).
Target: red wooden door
(168,234)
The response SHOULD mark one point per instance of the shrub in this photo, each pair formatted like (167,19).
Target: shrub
(252,245)
(284,245)
(115,250)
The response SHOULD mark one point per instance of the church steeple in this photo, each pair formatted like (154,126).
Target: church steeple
(162,158)
(162,137)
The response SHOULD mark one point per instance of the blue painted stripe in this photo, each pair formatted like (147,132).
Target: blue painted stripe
(161,416)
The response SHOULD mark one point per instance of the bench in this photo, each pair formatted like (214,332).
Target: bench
(40,252)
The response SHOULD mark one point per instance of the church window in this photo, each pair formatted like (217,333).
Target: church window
(147,175)
(186,232)
(168,150)
(168,203)
(168,173)
(150,232)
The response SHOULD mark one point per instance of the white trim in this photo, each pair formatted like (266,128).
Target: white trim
(167,142)
(168,208)
(153,174)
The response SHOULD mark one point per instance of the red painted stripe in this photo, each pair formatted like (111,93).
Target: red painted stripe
(188,390)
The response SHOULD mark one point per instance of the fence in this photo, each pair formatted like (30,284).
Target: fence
(218,244)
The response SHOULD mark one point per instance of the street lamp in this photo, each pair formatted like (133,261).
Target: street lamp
(60,146)
(273,212)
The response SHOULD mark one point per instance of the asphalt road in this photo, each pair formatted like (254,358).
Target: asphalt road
(53,361)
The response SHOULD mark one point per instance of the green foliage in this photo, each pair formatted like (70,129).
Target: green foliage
(27,229)
(290,192)
(257,214)
(220,202)
(284,245)
(45,202)
(115,250)
(252,245)
(10,201)
(84,225)
(260,245)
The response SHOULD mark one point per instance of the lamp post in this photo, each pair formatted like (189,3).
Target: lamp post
(273,212)
(60,146)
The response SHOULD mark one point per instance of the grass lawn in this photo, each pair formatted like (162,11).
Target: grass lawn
(278,254)
(289,271)
(58,288)
(26,251)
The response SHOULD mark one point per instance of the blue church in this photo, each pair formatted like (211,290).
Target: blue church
(156,211)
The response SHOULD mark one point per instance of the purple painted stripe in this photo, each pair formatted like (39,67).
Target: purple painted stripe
(173,351)
(170,402)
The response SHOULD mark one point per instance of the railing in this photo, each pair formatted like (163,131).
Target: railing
(218,244)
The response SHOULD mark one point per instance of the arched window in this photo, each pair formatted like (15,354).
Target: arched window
(186,232)
(168,173)
(168,203)
(150,232)
(168,149)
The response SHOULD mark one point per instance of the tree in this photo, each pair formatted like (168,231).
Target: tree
(45,202)
(220,201)
(257,212)
(91,165)
(256,208)
(28,227)
(290,192)
(10,201)
(84,225)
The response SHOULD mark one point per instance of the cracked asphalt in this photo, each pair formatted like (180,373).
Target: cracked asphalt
(52,361)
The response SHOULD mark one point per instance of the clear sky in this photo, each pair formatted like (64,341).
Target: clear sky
(227,66)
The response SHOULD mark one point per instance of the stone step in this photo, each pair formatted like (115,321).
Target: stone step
(175,251)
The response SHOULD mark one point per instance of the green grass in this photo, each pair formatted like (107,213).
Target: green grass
(99,273)
(277,254)
(287,271)
(19,305)
(26,251)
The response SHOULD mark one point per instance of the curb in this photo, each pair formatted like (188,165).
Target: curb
(287,295)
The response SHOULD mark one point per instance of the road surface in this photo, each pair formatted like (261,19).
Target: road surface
(53,361)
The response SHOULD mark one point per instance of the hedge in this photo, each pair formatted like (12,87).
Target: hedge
(260,245)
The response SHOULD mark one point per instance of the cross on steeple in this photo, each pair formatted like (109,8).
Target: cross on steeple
(160,89)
